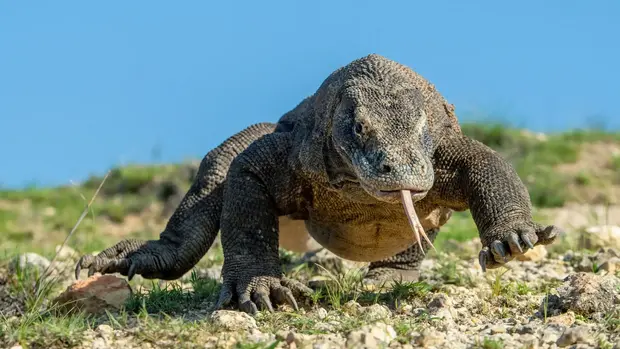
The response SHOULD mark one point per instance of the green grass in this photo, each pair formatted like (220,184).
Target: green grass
(489,343)
(173,299)
(46,215)
(535,159)
(451,274)
(615,163)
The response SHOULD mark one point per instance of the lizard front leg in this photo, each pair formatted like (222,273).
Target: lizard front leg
(403,266)
(192,228)
(469,174)
(260,187)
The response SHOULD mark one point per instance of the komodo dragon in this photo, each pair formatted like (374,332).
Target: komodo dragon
(348,164)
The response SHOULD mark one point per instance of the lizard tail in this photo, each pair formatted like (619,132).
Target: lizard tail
(195,223)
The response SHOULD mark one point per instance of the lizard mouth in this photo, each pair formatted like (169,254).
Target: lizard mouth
(396,195)
(406,197)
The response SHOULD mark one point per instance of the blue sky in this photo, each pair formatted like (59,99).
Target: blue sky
(88,85)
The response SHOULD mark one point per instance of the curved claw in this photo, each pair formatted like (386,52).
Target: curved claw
(78,266)
(499,251)
(514,244)
(285,295)
(224,298)
(483,258)
(132,270)
(261,298)
(527,241)
(259,293)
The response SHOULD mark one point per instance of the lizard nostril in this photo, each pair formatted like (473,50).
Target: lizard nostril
(386,168)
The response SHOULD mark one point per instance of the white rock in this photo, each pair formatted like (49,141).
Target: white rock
(574,335)
(376,312)
(105,329)
(352,308)
(99,343)
(551,334)
(29,260)
(321,313)
(233,320)
(601,236)
(431,338)
(371,336)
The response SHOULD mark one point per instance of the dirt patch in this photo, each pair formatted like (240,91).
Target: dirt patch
(595,180)
(575,216)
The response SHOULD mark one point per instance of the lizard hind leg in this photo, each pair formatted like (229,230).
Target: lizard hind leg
(402,267)
(192,228)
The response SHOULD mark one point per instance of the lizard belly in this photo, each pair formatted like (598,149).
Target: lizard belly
(370,240)
(361,242)
(294,236)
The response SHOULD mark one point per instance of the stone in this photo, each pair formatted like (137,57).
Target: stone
(256,336)
(105,329)
(430,338)
(440,300)
(376,312)
(95,294)
(299,340)
(99,343)
(231,320)
(537,254)
(551,334)
(441,307)
(371,336)
(611,266)
(29,261)
(498,329)
(602,236)
(585,294)
(321,313)
(529,341)
(575,335)
(66,253)
(567,319)
(352,308)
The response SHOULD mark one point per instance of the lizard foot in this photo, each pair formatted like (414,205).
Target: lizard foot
(151,259)
(261,291)
(384,276)
(514,241)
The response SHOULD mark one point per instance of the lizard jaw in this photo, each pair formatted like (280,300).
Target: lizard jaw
(396,195)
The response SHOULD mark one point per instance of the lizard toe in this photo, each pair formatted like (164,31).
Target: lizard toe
(500,253)
(261,293)
(283,295)
(298,289)
(487,260)
(225,297)
(547,235)
(261,298)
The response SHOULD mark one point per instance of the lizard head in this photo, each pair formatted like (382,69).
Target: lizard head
(380,139)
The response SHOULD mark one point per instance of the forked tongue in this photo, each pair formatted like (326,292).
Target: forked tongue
(413,219)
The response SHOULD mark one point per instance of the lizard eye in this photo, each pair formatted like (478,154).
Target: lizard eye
(358,128)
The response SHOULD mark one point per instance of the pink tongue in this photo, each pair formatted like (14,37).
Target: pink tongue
(413,219)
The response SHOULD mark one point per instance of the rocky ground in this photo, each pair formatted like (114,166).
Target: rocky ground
(545,300)
(565,295)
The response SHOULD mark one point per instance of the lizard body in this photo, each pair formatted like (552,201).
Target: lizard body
(338,162)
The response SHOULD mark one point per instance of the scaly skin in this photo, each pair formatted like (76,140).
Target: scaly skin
(191,230)
(337,161)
